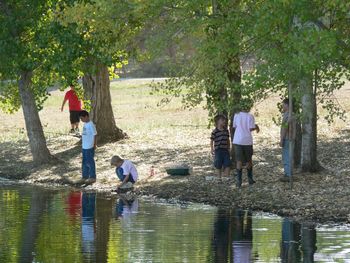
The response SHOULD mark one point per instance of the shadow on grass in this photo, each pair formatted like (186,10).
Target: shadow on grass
(333,154)
(16,163)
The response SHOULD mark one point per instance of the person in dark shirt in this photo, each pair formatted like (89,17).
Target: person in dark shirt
(220,145)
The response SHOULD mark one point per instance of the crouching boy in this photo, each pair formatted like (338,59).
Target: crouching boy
(125,170)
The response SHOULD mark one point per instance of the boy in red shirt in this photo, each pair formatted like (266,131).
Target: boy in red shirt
(74,108)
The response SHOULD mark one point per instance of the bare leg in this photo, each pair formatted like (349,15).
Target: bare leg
(239,165)
(227,171)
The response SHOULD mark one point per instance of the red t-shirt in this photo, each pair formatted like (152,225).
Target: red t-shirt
(73,101)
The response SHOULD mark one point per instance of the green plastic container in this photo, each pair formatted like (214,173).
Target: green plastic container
(180,171)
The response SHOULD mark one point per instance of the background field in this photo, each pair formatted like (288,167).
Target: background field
(160,136)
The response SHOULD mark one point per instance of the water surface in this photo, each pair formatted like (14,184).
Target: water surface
(38,225)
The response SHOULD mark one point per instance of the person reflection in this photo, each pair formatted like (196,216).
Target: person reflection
(242,237)
(126,207)
(88,226)
(290,252)
(308,243)
(221,236)
(74,205)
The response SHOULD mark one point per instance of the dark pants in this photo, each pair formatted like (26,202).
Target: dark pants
(89,169)
(121,176)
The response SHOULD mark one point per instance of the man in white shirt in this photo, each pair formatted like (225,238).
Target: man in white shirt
(88,147)
(125,170)
(243,125)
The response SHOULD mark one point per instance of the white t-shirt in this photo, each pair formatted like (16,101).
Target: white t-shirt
(129,168)
(88,135)
(243,122)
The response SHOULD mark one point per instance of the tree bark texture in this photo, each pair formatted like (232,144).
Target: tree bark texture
(37,141)
(309,127)
(97,91)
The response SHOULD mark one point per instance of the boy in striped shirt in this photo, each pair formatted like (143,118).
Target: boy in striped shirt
(220,145)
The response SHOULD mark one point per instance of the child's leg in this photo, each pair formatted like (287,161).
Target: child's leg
(218,162)
(285,158)
(85,167)
(249,157)
(227,171)
(92,174)
(227,163)
(219,172)
(238,153)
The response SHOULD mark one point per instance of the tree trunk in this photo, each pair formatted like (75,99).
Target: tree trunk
(297,144)
(235,76)
(309,127)
(37,141)
(97,91)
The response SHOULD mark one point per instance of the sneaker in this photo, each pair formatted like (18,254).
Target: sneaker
(90,181)
(251,182)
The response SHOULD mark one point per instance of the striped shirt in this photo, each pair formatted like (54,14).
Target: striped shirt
(220,138)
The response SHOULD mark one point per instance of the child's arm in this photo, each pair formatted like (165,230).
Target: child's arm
(257,128)
(211,146)
(126,179)
(63,103)
(95,142)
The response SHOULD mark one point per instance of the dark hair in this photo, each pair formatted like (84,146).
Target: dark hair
(286,101)
(246,104)
(219,117)
(83,113)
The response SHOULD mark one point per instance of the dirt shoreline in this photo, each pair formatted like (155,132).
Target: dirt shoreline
(309,200)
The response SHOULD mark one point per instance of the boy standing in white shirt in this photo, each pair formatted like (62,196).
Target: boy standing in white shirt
(88,147)
(243,125)
(125,170)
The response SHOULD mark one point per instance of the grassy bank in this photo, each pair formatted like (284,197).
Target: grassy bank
(160,136)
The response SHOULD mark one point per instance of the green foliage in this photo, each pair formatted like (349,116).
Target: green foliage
(298,40)
(211,36)
(97,32)
(28,45)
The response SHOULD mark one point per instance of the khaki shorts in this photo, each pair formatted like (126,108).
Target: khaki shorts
(243,153)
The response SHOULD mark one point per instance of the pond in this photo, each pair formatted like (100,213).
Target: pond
(40,225)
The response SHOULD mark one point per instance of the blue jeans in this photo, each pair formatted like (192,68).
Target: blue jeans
(285,157)
(89,168)
(120,173)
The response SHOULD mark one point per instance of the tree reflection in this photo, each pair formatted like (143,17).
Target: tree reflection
(298,242)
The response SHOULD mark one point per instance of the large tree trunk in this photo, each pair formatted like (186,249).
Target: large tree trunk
(37,141)
(234,74)
(297,144)
(309,127)
(96,90)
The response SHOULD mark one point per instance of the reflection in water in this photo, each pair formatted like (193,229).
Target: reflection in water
(298,242)
(126,208)
(233,236)
(242,237)
(88,226)
(38,203)
(43,226)
(221,240)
